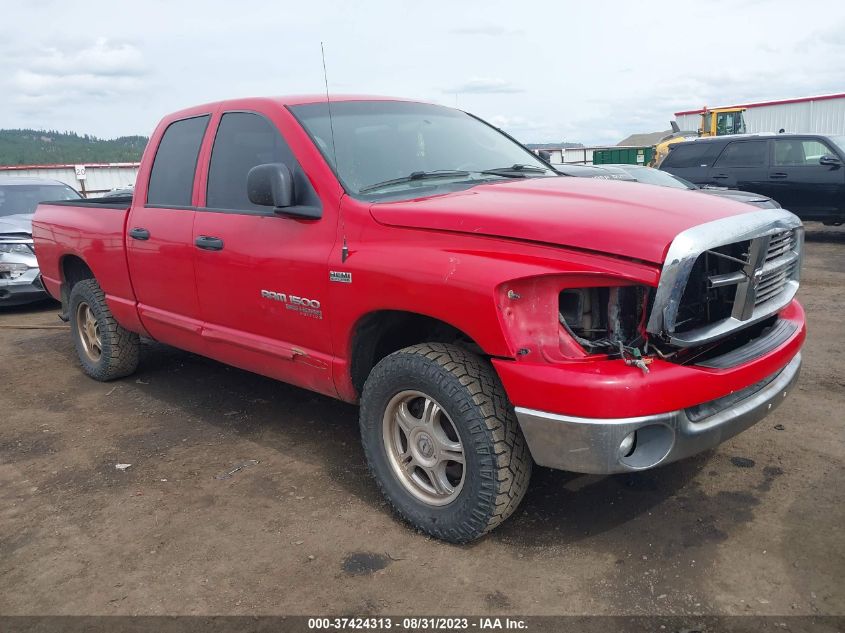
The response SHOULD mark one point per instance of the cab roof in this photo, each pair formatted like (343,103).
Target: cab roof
(282,101)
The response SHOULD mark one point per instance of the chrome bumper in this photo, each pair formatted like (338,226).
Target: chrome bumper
(594,445)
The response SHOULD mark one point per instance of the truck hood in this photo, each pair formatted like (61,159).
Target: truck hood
(19,223)
(617,218)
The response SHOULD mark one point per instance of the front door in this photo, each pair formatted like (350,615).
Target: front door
(801,183)
(262,277)
(160,238)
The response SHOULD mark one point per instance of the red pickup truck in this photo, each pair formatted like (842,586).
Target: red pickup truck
(486,312)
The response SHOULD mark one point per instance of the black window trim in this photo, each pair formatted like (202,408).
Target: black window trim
(155,205)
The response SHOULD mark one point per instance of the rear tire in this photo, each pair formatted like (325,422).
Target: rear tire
(106,350)
(442,441)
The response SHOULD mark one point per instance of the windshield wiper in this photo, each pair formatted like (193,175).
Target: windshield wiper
(515,171)
(416,175)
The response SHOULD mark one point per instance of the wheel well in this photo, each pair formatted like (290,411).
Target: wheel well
(379,334)
(74,270)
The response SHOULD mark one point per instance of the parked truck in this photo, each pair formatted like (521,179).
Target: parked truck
(487,313)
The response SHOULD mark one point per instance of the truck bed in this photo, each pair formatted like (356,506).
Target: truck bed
(75,235)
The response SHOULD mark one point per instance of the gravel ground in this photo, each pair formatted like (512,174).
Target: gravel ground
(754,527)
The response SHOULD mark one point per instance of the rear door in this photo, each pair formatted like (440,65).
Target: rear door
(262,277)
(742,164)
(801,183)
(160,237)
(690,160)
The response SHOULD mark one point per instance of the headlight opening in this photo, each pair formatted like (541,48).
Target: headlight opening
(607,319)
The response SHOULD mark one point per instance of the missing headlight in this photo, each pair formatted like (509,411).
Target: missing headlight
(599,319)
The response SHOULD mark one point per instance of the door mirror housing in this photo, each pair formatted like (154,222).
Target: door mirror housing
(270,185)
(545,155)
(831,161)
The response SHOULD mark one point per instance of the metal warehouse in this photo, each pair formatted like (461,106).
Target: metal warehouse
(92,179)
(823,114)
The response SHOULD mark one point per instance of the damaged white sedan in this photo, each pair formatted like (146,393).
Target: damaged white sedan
(20,278)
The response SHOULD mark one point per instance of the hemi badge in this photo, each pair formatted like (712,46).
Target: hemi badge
(340,277)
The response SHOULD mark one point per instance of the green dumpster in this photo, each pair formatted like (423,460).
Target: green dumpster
(623,156)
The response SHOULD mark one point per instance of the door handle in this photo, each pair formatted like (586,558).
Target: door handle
(139,234)
(778,174)
(207,243)
(721,176)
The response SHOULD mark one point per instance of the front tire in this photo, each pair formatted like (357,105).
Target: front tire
(106,350)
(442,441)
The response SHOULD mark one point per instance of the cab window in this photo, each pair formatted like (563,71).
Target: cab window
(172,175)
(743,154)
(243,140)
(730,123)
(791,152)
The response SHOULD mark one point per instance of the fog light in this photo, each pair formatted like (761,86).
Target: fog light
(628,444)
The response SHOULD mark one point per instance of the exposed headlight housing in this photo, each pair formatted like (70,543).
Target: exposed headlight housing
(569,317)
(602,318)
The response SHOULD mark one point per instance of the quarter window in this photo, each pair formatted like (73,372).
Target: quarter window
(244,140)
(688,155)
(800,152)
(172,175)
(743,154)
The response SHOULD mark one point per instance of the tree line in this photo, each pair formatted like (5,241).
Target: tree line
(40,147)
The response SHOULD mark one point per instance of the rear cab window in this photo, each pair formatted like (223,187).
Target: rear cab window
(172,175)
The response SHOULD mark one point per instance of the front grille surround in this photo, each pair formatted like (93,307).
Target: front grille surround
(756,273)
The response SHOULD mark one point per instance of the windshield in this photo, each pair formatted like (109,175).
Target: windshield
(651,176)
(400,148)
(840,142)
(24,198)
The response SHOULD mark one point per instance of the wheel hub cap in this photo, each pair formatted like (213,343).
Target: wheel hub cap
(425,445)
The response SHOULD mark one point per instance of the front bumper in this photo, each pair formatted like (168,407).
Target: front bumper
(23,289)
(593,445)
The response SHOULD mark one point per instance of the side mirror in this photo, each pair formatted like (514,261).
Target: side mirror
(831,161)
(270,185)
(546,156)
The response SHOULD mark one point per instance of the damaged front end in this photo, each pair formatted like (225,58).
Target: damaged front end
(717,337)
(20,278)
(716,304)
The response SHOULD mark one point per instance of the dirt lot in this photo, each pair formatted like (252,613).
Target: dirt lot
(754,527)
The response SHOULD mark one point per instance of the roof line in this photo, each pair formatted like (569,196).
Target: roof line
(839,95)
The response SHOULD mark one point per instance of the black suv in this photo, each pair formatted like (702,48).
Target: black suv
(803,172)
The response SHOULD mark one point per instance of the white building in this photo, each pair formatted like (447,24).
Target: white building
(91,180)
(824,114)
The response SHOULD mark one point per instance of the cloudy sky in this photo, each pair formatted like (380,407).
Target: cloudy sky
(592,72)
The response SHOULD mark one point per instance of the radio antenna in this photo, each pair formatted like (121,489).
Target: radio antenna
(344,252)
(329,106)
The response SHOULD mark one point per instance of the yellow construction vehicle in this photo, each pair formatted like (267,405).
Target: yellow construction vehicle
(715,122)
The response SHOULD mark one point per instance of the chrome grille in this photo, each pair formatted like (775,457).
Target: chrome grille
(780,265)
(711,286)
